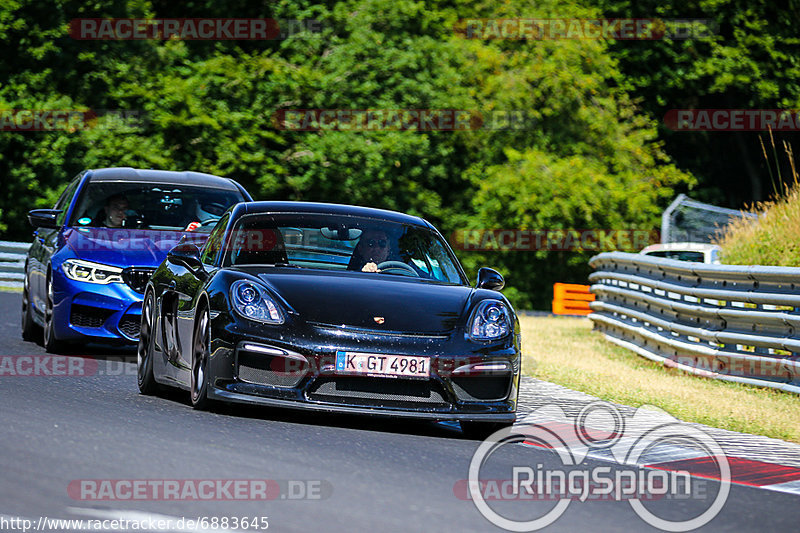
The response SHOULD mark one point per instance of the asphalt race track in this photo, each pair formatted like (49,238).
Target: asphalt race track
(333,473)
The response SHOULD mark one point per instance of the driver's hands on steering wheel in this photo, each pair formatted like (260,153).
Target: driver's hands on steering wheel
(389,266)
(207,222)
(370,267)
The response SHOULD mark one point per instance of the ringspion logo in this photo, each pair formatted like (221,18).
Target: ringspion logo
(625,443)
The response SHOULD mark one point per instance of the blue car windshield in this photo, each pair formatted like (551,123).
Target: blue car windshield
(152,206)
(344,243)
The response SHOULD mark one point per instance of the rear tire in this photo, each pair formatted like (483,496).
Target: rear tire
(30,330)
(200,353)
(144,351)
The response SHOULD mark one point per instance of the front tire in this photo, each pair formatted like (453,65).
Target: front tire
(144,351)
(51,343)
(29,327)
(200,353)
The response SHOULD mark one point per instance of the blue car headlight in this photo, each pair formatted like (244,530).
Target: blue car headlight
(79,270)
(252,301)
(489,321)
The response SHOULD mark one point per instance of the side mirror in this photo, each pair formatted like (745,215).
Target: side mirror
(490,279)
(44,218)
(186,255)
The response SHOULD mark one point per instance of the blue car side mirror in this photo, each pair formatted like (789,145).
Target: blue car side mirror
(44,218)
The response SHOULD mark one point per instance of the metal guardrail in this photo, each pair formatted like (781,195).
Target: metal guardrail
(12,263)
(736,323)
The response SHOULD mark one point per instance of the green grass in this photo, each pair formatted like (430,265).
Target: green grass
(567,352)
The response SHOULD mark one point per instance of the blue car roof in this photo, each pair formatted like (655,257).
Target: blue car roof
(162,176)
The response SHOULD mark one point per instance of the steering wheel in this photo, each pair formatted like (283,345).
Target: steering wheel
(399,266)
(133,220)
(210,221)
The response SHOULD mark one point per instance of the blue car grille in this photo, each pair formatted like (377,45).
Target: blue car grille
(129,326)
(85,316)
(137,277)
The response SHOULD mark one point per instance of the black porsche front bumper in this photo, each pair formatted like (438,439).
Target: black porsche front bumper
(295,368)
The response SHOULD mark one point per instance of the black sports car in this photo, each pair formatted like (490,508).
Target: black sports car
(331,308)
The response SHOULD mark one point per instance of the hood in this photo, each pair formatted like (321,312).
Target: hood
(126,247)
(339,299)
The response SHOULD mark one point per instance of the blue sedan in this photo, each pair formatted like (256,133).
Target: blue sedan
(95,250)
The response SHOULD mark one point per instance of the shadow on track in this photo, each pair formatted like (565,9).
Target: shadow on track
(338,420)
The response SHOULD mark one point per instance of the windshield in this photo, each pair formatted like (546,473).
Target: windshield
(154,206)
(680,255)
(342,243)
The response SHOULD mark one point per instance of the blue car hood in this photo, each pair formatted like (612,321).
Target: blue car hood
(126,247)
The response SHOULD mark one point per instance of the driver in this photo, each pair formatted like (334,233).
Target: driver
(372,249)
(113,214)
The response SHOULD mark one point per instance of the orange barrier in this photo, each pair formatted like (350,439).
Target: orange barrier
(571,299)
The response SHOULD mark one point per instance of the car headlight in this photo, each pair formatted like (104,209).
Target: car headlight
(254,302)
(79,270)
(490,321)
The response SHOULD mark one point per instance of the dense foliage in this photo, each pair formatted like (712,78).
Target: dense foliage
(749,60)
(589,156)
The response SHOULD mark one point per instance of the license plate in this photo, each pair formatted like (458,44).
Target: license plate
(373,364)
